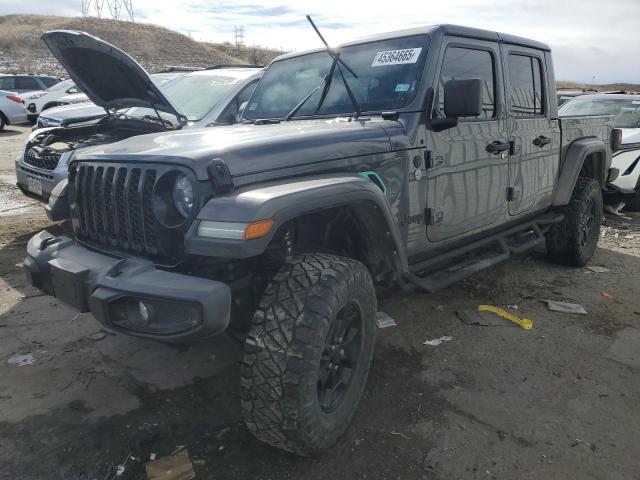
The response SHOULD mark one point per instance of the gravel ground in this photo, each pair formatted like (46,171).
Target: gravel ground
(558,401)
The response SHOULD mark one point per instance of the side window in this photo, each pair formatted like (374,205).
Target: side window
(231,112)
(27,83)
(49,81)
(7,83)
(525,77)
(466,63)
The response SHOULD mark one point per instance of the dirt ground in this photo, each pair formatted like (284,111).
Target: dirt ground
(559,401)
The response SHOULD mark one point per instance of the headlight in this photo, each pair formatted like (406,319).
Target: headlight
(36,96)
(184,198)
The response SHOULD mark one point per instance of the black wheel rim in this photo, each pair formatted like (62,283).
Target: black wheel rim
(587,222)
(339,357)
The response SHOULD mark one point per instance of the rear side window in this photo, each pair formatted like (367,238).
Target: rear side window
(525,95)
(7,83)
(49,81)
(27,83)
(463,64)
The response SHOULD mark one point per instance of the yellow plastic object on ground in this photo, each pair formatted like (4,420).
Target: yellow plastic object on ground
(523,322)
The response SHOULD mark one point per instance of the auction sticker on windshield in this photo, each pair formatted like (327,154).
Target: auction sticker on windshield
(396,57)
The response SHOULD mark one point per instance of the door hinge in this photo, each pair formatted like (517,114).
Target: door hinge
(432,160)
(433,215)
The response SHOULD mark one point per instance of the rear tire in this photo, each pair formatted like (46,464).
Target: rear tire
(308,353)
(574,240)
(3,122)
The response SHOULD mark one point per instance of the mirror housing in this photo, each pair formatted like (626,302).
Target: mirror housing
(243,105)
(72,90)
(463,98)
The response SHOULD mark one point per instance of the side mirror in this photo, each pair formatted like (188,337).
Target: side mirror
(463,98)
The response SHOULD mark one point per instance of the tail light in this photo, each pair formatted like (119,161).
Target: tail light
(15,98)
(616,139)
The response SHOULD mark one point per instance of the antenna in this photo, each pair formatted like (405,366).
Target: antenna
(116,8)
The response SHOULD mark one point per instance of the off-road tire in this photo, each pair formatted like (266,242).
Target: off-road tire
(574,240)
(280,373)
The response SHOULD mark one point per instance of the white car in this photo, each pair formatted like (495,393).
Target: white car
(12,109)
(626,111)
(41,100)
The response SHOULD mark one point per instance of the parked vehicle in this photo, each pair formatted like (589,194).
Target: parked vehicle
(626,114)
(41,100)
(22,83)
(12,109)
(566,95)
(410,158)
(194,99)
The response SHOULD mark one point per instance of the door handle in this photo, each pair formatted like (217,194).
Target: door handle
(541,141)
(497,147)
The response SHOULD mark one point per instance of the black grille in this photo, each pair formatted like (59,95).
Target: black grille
(41,158)
(114,210)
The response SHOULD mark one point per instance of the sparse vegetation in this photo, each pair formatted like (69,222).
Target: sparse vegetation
(605,87)
(154,47)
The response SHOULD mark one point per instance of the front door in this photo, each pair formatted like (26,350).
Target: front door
(534,149)
(468,167)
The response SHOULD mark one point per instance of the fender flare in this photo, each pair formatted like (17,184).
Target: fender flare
(286,200)
(574,159)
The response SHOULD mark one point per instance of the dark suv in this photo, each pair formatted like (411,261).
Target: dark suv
(412,158)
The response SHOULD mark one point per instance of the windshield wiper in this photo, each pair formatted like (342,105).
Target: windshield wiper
(337,62)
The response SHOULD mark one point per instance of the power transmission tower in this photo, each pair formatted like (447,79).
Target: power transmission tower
(239,36)
(117,8)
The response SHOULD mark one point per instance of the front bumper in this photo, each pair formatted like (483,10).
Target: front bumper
(48,179)
(183,307)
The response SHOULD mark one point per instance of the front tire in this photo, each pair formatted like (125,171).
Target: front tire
(574,240)
(633,202)
(308,353)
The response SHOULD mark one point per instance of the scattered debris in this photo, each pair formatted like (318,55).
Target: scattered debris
(120,470)
(513,307)
(400,434)
(597,269)
(615,209)
(606,295)
(152,456)
(172,467)
(437,341)
(474,317)
(97,336)
(21,360)
(523,322)
(438,308)
(383,320)
(565,307)
(578,441)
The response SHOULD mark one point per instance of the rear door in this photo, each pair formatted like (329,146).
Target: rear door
(466,182)
(534,136)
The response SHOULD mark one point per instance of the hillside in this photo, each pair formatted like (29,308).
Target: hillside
(154,47)
(627,87)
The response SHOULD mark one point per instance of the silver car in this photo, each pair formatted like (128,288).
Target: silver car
(12,110)
(203,98)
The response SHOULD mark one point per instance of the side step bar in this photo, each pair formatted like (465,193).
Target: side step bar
(457,264)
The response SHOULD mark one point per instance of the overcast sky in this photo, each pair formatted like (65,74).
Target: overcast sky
(589,37)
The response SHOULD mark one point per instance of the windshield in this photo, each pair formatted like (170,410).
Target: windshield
(194,95)
(626,111)
(388,76)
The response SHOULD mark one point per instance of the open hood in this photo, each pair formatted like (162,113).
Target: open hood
(109,77)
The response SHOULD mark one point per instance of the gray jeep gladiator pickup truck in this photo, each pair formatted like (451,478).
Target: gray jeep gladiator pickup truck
(408,159)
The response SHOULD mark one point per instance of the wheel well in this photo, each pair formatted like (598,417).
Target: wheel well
(593,167)
(359,231)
